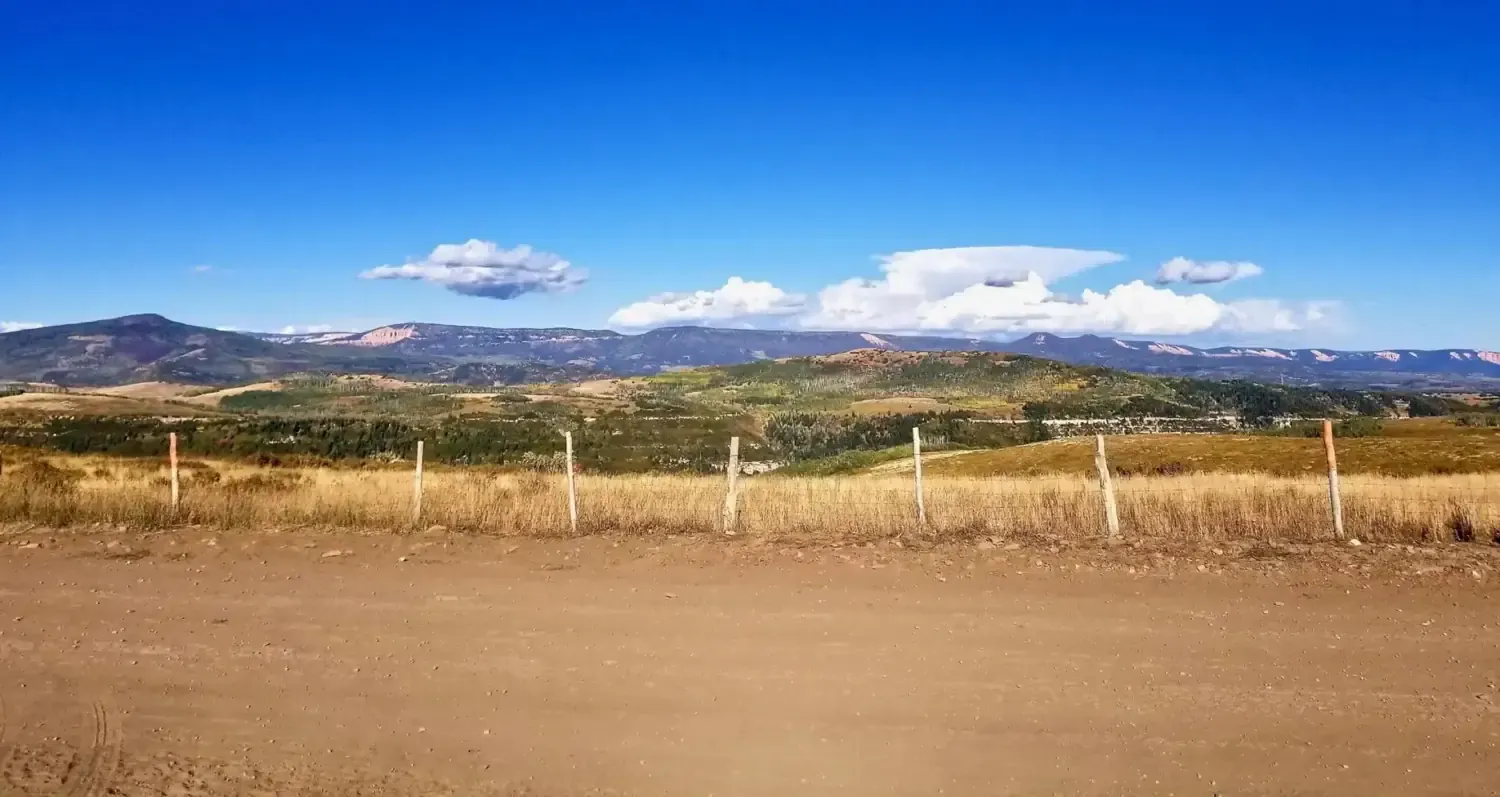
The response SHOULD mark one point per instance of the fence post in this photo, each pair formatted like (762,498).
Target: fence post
(1335,500)
(572,487)
(416,498)
(732,497)
(176,479)
(916,453)
(1107,488)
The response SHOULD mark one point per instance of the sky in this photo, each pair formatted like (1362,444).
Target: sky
(1310,173)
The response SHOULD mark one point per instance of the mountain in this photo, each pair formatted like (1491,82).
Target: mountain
(680,347)
(1410,368)
(149,347)
(135,348)
(649,352)
(144,348)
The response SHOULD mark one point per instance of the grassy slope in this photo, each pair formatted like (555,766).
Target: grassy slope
(1405,448)
(878,381)
(28,406)
(997,385)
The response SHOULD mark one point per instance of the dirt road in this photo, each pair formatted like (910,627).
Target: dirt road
(292,665)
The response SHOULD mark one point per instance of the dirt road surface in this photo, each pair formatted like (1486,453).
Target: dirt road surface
(283,664)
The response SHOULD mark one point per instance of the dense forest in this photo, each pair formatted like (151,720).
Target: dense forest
(618,443)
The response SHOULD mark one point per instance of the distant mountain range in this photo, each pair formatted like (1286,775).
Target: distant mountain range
(612,352)
(1409,368)
(150,347)
(696,346)
(147,348)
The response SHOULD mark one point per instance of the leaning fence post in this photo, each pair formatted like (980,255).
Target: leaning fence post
(916,453)
(176,480)
(732,497)
(1107,488)
(1335,500)
(572,487)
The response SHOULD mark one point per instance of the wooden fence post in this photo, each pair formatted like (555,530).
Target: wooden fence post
(916,453)
(1335,500)
(732,497)
(1107,488)
(572,486)
(416,498)
(176,479)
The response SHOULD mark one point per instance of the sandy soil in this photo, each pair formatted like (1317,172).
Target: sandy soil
(195,664)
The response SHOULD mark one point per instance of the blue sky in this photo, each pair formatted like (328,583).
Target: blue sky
(1328,170)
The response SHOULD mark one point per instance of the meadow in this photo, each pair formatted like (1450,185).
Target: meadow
(1198,508)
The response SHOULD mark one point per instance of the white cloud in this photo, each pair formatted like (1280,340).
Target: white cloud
(202,269)
(311,329)
(996,290)
(939,272)
(17,326)
(738,300)
(1030,306)
(1275,315)
(480,268)
(1205,272)
(915,278)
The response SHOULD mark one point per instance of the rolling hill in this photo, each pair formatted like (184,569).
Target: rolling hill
(995,384)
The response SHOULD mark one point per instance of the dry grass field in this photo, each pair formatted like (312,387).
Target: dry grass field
(1414,448)
(63,491)
(51,405)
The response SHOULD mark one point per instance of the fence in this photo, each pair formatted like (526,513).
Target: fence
(1107,505)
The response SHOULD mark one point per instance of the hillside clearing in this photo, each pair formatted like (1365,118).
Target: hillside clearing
(157,390)
(212,399)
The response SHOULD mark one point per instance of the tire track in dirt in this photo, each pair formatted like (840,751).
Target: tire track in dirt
(101,755)
(89,770)
(8,733)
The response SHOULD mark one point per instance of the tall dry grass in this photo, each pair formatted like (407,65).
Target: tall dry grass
(61,492)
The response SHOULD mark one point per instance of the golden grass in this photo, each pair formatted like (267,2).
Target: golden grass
(1204,508)
(150,390)
(1403,449)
